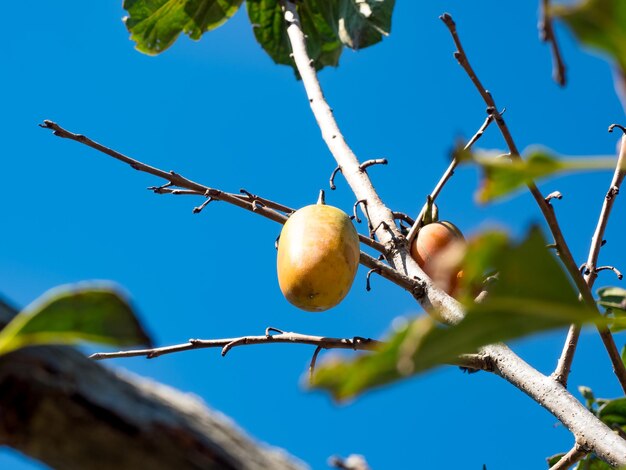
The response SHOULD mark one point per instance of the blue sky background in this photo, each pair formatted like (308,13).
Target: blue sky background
(220,112)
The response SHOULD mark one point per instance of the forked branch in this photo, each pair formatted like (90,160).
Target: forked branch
(591,270)
(546,208)
(246,200)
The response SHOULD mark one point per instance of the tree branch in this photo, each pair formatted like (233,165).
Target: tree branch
(418,223)
(381,217)
(356,343)
(564,364)
(546,34)
(575,454)
(546,208)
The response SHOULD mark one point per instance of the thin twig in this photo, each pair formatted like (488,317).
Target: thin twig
(227,344)
(313,361)
(553,195)
(368,163)
(590,273)
(246,200)
(546,34)
(616,271)
(418,222)
(576,454)
(331,180)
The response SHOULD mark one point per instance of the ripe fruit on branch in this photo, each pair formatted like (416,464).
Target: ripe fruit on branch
(318,255)
(431,247)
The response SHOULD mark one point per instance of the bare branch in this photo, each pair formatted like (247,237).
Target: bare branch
(227,344)
(590,273)
(418,222)
(546,34)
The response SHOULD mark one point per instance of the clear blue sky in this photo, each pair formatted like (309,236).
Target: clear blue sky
(220,112)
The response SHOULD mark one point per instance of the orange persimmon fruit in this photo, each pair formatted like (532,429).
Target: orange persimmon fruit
(318,256)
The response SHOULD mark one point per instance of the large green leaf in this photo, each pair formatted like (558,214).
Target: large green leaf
(532,294)
(155,24)
(317,18)
(363,23)
(94,312)
(600,24)
(503,175)
(327,24)
(613,412)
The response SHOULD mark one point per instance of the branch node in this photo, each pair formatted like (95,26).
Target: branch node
(611,127)
(198,209)
(270,329)
(313,361)
(378,161)
(553,195)
(354,207)
(332,178)
(368,287)
(610,268)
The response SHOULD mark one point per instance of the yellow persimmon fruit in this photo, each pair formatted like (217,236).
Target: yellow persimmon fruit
(318,256)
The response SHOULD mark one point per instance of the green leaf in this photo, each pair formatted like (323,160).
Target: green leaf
(502,175)
(614,300)
(599,24)
(613,412)
(363,23)
(316,16)
(327,24)
(532,294)
(93,312)
(155,24)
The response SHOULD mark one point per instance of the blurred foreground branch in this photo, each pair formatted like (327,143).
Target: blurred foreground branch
(69,412)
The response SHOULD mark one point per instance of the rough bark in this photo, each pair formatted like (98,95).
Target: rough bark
(69,412)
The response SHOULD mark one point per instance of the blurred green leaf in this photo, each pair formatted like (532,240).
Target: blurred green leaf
(614,300)
(591,462)
(600,24)
(156,24)
(503,175)
(93,312)
(613,412)
(532,294)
